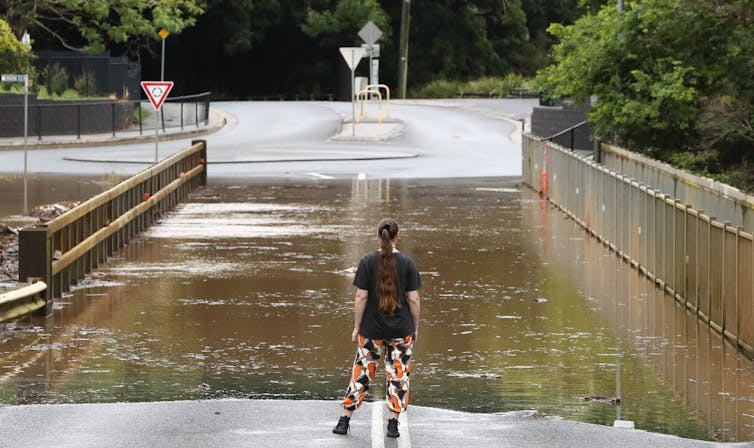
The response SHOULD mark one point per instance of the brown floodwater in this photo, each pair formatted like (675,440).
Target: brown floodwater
(245,291)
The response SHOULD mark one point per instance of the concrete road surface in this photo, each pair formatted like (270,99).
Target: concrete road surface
(286,423)
(306,139)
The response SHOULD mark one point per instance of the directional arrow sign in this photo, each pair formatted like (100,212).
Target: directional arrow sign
(352,55)
(157,91)
(370,33)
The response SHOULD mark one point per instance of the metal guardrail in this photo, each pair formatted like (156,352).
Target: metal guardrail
(21,301)
(567,135)
(715,198)
(294,97)
(62,251)
(705,264)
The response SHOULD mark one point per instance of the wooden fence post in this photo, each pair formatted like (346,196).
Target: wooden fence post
(35,261)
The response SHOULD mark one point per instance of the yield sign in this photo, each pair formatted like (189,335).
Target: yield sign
(157,91)
(352,55)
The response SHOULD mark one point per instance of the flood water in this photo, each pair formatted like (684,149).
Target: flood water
(245,291)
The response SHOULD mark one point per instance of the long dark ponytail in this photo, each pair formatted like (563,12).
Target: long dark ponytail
(387,288)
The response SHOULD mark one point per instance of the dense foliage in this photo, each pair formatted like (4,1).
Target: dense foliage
(238,48)
(670,77)
(99,24)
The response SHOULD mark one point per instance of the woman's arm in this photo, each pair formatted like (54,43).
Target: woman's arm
(414,306)
(360,303)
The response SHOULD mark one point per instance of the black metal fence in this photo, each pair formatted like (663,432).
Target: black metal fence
(67,74)
(48,118)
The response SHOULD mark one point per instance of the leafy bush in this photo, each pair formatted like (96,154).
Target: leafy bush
(439,88)
(86,84)
(70,94)
(55,78)
(487,86)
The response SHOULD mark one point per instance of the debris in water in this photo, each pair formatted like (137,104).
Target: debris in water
(597,399)
(540,300)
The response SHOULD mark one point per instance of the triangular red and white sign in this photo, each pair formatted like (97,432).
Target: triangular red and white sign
(157,91)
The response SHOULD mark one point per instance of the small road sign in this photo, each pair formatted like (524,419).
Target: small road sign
(164,33)
(157,91)
(13,78)
(370,33)
(352,55)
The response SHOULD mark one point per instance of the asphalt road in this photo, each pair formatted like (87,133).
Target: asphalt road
(286,423)
(439,139)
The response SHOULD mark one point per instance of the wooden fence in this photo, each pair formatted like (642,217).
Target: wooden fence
(703,263)
(62,251)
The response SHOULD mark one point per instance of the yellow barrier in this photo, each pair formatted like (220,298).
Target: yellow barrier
(363,96)
(364,104)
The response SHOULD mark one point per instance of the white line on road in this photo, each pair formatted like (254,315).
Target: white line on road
(404,441)
(378,436)
(378,427)
(320,176)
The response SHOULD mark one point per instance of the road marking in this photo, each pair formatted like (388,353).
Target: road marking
(320,176)
(378,436)
(404,441)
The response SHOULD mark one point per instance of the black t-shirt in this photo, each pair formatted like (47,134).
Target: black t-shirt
(375,325)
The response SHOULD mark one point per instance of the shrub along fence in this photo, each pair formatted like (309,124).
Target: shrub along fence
(705,264)
(62,251)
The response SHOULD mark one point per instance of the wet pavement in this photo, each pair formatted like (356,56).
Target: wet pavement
(308,424)
(245,292)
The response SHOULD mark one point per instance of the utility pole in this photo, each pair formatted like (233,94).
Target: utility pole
(403,62)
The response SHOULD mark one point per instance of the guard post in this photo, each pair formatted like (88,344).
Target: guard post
(35,262)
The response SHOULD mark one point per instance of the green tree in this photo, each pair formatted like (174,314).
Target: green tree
(13,54)
(98,24)
(671,77)
(466,39)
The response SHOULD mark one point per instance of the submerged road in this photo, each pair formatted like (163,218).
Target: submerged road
(453,139)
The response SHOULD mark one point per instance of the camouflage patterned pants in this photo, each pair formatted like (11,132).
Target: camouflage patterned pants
(397,356)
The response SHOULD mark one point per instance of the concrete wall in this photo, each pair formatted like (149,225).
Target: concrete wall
(62,117)
(548,121)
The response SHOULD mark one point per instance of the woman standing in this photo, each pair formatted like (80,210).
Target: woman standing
(386,325)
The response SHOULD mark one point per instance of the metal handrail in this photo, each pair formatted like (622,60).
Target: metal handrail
(565,131)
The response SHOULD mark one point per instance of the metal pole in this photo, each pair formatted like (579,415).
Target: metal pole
(26,135)
(162,66)
(403,61)
(156,128)
(353,102)
(620,5)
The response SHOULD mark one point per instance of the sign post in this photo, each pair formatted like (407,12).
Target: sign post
(157,92)
(24,79)
(370,34)
(163,33)
(353,56)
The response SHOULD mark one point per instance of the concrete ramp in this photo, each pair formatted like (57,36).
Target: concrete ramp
(289,423)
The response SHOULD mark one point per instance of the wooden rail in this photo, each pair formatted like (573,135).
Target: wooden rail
(65,249)
(20,301)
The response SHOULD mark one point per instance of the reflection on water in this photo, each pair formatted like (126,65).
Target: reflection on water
(246,292)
